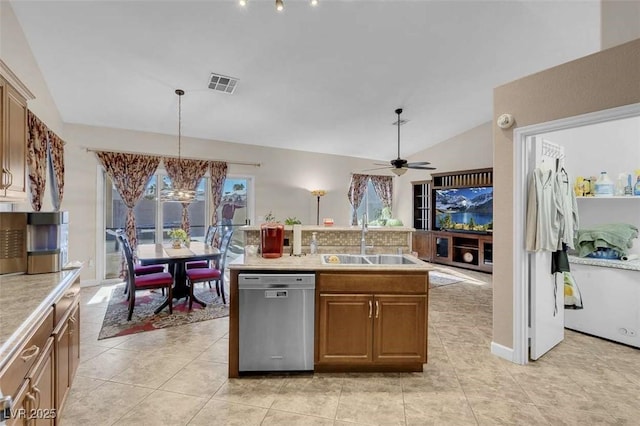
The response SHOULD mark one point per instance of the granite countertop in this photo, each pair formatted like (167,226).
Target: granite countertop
(23,300)
(312,262)
(630,265)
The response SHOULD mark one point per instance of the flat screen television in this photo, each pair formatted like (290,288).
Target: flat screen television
(464,209)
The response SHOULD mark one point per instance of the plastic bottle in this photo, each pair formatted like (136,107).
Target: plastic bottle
(603,186)
(313,247)
(620,184)
(636,188)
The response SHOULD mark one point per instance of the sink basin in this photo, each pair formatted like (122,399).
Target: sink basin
(344,259)
(367,259)
(391,259)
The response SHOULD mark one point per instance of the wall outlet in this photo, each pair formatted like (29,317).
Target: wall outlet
(631,332)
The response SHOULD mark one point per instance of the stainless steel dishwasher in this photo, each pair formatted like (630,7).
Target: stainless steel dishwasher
(276,315)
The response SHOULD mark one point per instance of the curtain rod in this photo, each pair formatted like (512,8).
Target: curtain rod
(238,163)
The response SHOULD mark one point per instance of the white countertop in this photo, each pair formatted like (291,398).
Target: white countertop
(312,262)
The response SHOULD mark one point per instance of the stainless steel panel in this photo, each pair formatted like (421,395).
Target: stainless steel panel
(276,322)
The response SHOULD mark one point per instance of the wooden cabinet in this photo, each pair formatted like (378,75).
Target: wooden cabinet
(13,143)
(39,373)
(67,342)
(421,204)
(35,400)
(371,322)
(421,243)
(471,251)
(372,328)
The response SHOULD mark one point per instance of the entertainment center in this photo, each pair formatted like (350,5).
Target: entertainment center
(453,218)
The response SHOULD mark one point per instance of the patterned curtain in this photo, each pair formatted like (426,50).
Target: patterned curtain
(56,168)
(130,174)
(383,185)
(36,159)
(357,189)
(218,173)
(185,174)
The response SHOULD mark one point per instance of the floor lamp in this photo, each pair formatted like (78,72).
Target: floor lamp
(318,193)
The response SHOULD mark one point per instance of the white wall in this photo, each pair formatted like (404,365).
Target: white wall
(282,182)
(619,22)
(472,149)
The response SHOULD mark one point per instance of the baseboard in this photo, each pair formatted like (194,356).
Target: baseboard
(93,283)
(502,351)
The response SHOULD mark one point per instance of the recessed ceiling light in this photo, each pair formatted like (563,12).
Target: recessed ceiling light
(243,2)
(279,5)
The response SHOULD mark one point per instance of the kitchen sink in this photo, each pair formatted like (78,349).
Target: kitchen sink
(367,259)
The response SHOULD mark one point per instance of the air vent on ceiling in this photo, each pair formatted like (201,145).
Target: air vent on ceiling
(222,83)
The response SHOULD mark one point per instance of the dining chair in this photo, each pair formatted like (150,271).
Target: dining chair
(145,282)
(201,275)
(137,268)
(209,239)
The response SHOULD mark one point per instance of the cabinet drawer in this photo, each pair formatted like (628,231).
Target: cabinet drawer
(408,282)
(17,369)
(66,302)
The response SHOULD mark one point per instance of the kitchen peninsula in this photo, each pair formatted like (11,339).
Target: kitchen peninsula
(367,317)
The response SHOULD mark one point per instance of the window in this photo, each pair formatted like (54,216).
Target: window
(371,204)
(155,219)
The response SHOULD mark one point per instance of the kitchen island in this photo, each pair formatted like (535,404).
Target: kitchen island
(368,317)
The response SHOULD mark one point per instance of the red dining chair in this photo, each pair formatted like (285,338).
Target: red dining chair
(138,269)
(145,282)
(209,239)
(201,275)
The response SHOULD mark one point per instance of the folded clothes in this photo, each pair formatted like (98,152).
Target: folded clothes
(617,236)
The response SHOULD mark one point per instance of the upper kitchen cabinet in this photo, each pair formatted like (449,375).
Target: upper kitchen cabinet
(13,136)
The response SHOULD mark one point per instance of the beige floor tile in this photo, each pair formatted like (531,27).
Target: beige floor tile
(102,405)
(450,408)
(259,392)
(584,380)
(493,412)
(163,408)
(107,364)
(218,352)
(199,378)
(279,418)
(223,413)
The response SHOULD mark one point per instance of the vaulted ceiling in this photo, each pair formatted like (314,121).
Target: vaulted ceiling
(321,79)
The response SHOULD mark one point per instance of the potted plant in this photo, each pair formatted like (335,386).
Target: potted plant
(178,237)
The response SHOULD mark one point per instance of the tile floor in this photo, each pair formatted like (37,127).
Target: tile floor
(177,376)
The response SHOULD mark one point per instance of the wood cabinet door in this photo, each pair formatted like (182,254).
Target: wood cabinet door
(345,328)
(400,328)
(421,243)
(20,406)
(74,340)
(42,379)
(63,379)
(15,144)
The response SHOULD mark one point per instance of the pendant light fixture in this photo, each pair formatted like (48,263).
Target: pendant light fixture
(279,5)
(176,194)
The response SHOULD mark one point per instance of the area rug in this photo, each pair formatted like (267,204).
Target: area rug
(115,319)
(438,279)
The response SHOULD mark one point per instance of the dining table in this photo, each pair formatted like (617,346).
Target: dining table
(176,259)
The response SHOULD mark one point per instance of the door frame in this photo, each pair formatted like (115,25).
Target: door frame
(521,156)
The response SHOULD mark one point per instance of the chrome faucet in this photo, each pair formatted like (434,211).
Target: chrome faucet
(363,240)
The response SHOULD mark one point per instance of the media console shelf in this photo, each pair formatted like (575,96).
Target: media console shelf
(465,248)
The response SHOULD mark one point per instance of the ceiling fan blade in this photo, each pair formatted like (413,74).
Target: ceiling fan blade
(420,167)
(377,168)
(419,163)
(382,164)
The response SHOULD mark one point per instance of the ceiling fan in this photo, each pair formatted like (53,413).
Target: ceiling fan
(399,166)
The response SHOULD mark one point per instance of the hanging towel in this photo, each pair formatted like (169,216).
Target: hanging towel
(572,296)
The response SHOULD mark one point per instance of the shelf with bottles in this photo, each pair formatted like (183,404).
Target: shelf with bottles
(610,197)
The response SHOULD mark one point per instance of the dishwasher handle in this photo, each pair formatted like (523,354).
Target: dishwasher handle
(267,286)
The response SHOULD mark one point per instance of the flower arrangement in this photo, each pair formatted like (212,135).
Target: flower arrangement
(179,236)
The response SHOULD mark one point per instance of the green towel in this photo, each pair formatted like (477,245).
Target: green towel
(616,236)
